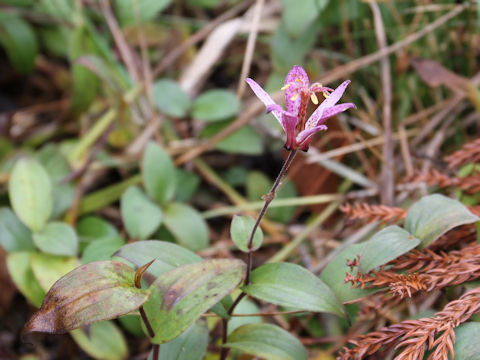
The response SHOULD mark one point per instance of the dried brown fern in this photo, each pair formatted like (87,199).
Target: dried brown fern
(469,153)
(469,184)
(418,336)
(424,271)
(382,213)
(370,213)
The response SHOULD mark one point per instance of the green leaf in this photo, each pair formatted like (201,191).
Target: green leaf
(245,306)
(466,344)
(158,173)
(384,246)
(102,340)
(298,16)
(57,238)
(14,236)
(133,324)
(215,105)
(85,83)
(96,291)
(191,345)
(287,52)
(57,168)
(243,141)
(167,255)
(187,183)
(266,341)
(18,265)
(102,249)
(30,192)
(169,98)
(93,227)
(187,225)
(138,11)
(19,41)
(334,274)
(49,268)
(293,286)
(140,215)
(433,215)
(207,4)
(240,230)
(180,296)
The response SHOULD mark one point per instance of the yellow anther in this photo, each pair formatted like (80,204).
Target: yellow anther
(326,95)
(298,80)
(285,87)
(314,98)
(294,97)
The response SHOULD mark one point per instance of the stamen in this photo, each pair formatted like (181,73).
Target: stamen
(298,80)
(285,87)
(316,87)
(295,97)
(314,98)
(326,95)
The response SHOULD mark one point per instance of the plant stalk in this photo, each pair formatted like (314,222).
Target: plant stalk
(269,197)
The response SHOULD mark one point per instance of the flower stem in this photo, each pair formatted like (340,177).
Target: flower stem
(268,199)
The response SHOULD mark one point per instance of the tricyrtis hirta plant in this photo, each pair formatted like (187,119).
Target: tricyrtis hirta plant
(298,93)
(178,285)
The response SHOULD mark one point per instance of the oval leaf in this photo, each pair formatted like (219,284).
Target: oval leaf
(166,254)
(140,215)
(293,286)
(158,173)
(384,246)
(102,340)
(14,236)
(30,192)
(215,105)
(187,225)
(334,274)
(240,230)
(20,270)
(246,140)
(49,268)
(182,295)
(266,341)
(57,238)
(169,98)
(102,249)
(466,344)
(191,345)
(433,215)
(18,39)
(100,290)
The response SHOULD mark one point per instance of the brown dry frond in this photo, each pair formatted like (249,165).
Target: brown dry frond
(424,271)
(470,184)
(370,213)
(418,336)
(469,153)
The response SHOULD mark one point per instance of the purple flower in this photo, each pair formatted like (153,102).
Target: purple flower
(298,92)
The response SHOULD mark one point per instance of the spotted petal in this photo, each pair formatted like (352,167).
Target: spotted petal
(289,122)
(303,139)
(334,110)
(264,97)
(328,103)
(297,78)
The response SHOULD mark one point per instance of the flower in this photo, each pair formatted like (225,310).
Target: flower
(298,92)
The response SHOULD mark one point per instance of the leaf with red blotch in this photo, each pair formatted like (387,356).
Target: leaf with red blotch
(96,291)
